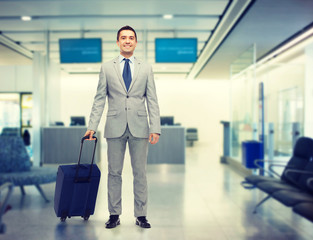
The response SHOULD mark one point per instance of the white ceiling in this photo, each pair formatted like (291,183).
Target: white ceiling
(53,20)
(265,22)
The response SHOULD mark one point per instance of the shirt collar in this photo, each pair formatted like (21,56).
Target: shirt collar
(131,59)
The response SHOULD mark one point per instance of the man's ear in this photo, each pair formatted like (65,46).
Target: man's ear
(118,43)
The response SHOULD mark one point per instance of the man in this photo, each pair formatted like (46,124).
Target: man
(128,84)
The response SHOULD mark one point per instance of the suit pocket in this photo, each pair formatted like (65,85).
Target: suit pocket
(142,113)
(111,113)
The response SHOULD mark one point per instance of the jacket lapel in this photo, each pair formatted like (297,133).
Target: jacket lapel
(118,72)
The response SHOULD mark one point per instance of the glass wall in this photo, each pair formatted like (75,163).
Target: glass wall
(16,116)
(243,107)
(283,107)
(10,112)
(284,101)
(243,101)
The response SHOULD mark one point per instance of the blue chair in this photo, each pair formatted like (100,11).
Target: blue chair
(16,167)
(4,203)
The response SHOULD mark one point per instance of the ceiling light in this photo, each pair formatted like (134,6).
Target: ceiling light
(167,16)
(26,18)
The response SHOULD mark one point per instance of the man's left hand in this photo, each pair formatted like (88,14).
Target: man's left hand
(154,138)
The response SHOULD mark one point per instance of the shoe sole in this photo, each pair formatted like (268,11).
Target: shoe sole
(137,223)
(117,223)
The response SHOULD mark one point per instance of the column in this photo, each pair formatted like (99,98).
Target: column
(39,104)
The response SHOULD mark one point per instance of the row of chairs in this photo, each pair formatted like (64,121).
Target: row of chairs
(5,193)
(16,170)
(294,187)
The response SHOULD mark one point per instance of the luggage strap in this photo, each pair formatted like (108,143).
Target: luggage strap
(78,164)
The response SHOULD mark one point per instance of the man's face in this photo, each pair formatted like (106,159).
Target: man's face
(127,43)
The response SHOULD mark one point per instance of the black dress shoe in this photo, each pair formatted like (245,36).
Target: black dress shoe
(142,222)
(113,221)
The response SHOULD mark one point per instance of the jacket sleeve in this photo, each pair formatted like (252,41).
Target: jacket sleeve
(152,105)
(99,102)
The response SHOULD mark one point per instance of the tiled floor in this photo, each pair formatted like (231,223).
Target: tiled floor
(202,199)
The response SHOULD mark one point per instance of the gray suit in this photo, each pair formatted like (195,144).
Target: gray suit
(127,121)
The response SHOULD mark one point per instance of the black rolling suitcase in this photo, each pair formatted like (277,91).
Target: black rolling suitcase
(76,188)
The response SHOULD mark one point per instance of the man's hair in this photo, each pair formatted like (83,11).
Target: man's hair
(126,28)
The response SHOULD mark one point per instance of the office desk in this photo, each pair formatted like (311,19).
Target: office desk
(61,145)
(170,148)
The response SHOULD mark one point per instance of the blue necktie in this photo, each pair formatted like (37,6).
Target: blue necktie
(127,74)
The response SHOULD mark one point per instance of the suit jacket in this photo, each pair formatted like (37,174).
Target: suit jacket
(132,107)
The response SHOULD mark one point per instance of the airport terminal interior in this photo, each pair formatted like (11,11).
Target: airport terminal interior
(234,85)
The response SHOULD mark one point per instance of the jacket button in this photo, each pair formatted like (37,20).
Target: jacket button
(127,96)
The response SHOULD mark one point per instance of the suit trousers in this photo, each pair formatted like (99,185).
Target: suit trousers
(138,150)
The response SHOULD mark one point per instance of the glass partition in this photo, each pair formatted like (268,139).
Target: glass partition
(243,101)
(10,113)
(243,108)
(16,111)
(284,102)
(283,105)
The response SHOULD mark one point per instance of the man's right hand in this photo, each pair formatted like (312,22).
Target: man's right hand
(90,133)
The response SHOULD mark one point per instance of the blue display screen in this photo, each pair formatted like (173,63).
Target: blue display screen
(81,50)
(176,50)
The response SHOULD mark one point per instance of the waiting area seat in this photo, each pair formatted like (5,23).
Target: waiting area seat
(191,136)
(15,166)
(304,209)
(11,131)
(4,198)
(294,187)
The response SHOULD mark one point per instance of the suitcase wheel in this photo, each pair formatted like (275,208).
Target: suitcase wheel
(86,217)
(63,219)
(2,228)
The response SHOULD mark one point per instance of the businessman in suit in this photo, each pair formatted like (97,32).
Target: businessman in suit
(128,84)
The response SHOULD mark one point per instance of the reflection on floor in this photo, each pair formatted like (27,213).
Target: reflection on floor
(200,200)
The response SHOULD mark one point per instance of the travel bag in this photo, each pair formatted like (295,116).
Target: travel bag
(77,187)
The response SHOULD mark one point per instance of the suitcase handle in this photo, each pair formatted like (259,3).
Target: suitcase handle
(87,137)
(80,153)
